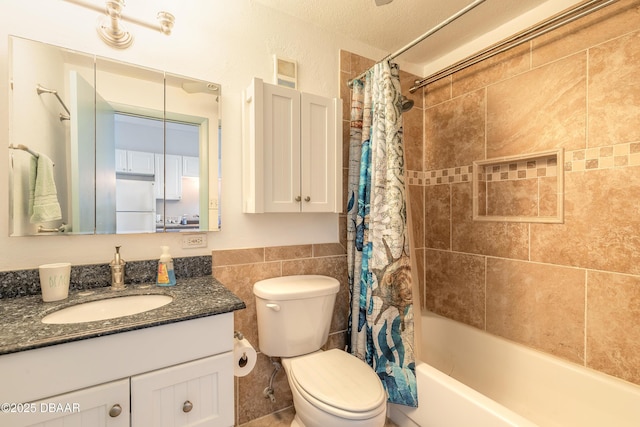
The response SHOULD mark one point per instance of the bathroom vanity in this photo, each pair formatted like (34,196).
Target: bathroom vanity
(169,366)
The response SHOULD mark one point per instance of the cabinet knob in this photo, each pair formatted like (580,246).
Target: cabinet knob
(307,199)
(298,198)
(115,410)
(187,406)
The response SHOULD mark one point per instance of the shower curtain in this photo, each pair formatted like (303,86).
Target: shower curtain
(381,319)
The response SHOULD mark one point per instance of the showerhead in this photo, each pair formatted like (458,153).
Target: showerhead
(406,104)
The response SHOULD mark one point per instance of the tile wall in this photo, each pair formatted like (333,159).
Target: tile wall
(570,289)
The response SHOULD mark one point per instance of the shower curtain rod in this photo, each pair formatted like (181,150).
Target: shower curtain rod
(529,34)
(424,36)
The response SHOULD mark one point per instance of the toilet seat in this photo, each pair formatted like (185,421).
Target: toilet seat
(338,383)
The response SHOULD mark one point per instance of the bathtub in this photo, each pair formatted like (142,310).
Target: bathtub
(469,378)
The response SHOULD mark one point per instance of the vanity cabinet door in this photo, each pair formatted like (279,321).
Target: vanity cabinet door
(190,394)
(105,405)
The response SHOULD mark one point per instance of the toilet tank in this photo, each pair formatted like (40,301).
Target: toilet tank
(294,313)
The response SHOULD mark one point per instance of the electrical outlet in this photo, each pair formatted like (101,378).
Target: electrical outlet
(194,240)
(213,203)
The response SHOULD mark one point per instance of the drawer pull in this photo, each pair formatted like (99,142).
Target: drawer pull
(187,406)
(115,410)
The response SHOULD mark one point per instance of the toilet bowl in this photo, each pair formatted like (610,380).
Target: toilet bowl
(334,388)
(330,388)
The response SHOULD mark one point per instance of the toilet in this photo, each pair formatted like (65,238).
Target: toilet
(330,388)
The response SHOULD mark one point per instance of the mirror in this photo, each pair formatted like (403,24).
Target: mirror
(133,150)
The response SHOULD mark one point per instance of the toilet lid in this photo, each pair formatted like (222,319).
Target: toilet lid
(339,379)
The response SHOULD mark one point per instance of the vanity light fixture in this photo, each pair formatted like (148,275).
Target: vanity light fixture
(113,33)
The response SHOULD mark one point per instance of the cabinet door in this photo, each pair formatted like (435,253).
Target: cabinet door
(191,166)
(281,149)
(318,146)
(106,405)
(198,393)
(140,162)
(159,175)
(121,161)
(173,177)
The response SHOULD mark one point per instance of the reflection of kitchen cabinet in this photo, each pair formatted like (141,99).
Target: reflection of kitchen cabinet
(190,166)
(292,155)
(168,177)
(138,162)
(193,393)
(173,375)
(102,405)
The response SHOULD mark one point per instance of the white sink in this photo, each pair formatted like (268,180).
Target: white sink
(109,308)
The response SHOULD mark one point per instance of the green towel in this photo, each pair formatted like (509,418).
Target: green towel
(43,196)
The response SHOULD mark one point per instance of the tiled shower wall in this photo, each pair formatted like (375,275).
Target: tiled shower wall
(570,289)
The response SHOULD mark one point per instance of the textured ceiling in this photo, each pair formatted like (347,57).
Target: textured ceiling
(394,25)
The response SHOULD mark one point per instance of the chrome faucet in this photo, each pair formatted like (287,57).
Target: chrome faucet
(117,271)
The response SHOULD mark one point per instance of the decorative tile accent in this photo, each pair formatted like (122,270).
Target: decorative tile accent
(598,158)
(611,156)
(517,170)
(441,176)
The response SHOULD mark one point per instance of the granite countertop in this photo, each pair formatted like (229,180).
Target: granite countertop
(195,297)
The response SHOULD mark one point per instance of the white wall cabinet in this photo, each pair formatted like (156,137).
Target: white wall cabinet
(191,166)
(292,150)
(168,176)
(166,375)
(137,162)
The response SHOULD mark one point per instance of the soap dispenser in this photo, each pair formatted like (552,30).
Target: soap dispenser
(166,274)
(117,271)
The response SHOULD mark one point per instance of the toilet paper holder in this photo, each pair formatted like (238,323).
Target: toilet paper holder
(244,359)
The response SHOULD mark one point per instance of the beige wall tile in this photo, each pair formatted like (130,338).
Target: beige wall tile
(237,256)
(251,403)
(501,239)
(541,306)
(240,280)
(360,64)
(412,127)
(614,94)
(437,217)
(454,286)
(613,329)
(548,196)
(513,198)
(613,21)
(277,253)
(416,208)
(500,67)
(601,228)
(420,274)
(539,110)
(345,60)
(437,92)
(328,249)
(455,132)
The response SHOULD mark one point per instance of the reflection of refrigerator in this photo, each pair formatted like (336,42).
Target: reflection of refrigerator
(135,206)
